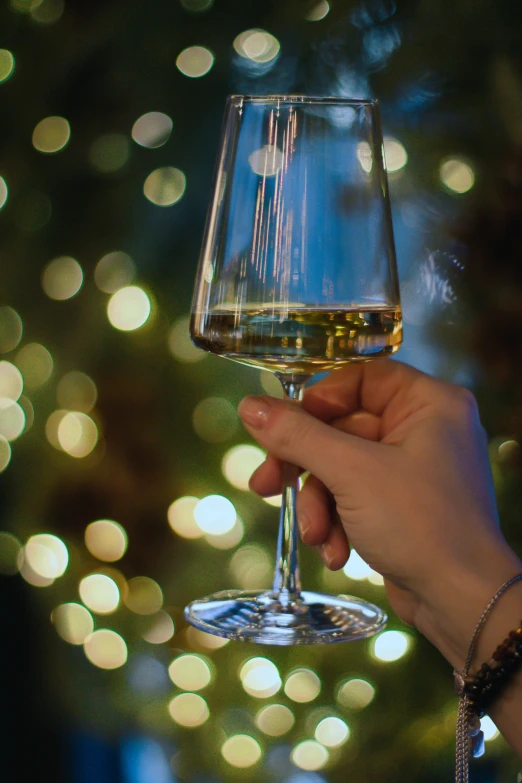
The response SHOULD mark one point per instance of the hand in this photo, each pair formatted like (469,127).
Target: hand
(399,470)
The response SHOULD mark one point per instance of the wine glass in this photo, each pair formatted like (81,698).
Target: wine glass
(298,276)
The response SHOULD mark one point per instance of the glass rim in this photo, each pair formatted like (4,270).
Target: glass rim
(327,100)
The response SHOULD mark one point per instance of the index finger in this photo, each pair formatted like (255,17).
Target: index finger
(369,386)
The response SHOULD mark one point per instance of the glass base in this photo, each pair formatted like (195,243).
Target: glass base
(258,616)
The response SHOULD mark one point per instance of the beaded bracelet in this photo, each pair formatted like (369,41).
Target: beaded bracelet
(478,692)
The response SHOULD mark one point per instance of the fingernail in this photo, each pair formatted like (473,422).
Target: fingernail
(327,553)
(304,524)
(254,411)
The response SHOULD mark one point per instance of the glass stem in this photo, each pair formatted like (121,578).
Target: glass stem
(287,583)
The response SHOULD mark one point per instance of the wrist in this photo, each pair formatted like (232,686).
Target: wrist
(449,611)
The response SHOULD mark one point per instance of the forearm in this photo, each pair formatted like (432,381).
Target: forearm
(449,617)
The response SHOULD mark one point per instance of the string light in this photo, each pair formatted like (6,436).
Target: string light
(310,755)
(195,61)
(180,345)
(4,192)
(190,672)
(152,130)
(11,326)
(275,720)
(5,453)
(260,678)
(189,710)
(241,751)
(12,419)
(165,186)
(144,595)
(106,649)
(390,646)
(332,732)
(257,45)
(129,308)
(62,278)
(106,540)
(456,175)
(73,622)
(302,685)
(215,514)
(10,548)
(355,693)
(11,381)
(77,434)
(160,629)
(214,419)
(51,134)
(113,271)
(99,593)
(35,363)
(7,64)
(76,391)
(318,12)
(180,516)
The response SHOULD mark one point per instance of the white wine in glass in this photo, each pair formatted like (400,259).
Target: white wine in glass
(298,276)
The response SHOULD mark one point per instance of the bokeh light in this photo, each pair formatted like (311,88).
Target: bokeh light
(47,555)
(10,548)
(106,540)
(195,61)
(5,453)
(35,363)
(240,462)
(76,391)
(180,345)
(390,645)
(152,130)
(241,751)
(395,154)
(109,153)
(318,12)
(199,640)
(4,192)
(355,693)
(27,407)
(73,622)
(275,719)
(214,419)
(11,326)
(77,434)
(251,566)
(11,381)
(257,45)
(266,161)
(190,672)
(260,678)
(62,278)
(51,134)
(106,649)
(180,515)
(99,593)
(189,710)
(48,11)
(310,755)
(129,308)
(302,685)
(165,186)
(29,575)
(456,175)
(12,419)
(144,595)
(489,728)
(332,732)
(113,271)
(229,539)
(356,567)
(160,628)
(215,514)
(51,427)
(7,64)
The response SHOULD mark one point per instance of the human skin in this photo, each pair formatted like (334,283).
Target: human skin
(398,468)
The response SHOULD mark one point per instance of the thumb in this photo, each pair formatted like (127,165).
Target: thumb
(288,432)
